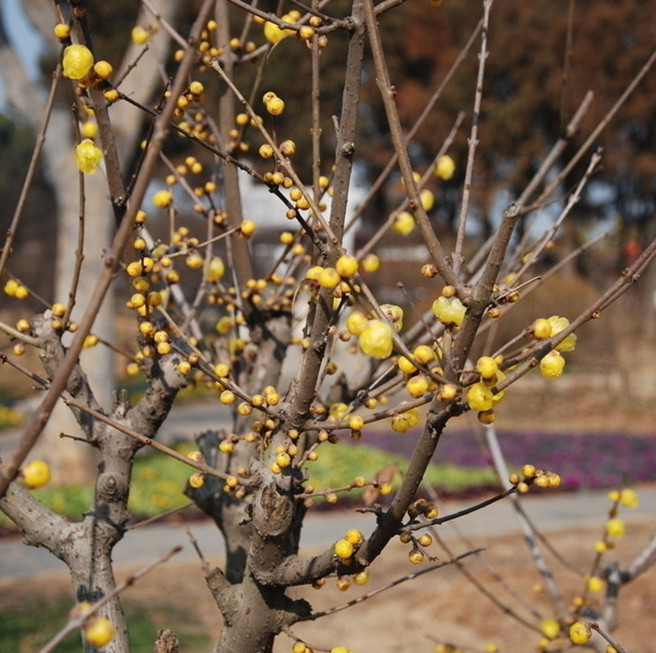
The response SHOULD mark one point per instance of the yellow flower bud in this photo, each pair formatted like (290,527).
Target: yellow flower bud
(579,632)
(549,628)
(217,269)
(404,223)
(77,61)
(615,528)
(552,365)
(36,473)
(445,167)
(140,35)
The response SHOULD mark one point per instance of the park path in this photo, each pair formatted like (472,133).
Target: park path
(553,512)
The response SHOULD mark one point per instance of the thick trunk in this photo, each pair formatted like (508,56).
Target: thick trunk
(93,580)
(253,630)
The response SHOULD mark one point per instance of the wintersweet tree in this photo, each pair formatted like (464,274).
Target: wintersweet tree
(297,347)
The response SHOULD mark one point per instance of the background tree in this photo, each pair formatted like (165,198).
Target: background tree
(202,311)
(30,103)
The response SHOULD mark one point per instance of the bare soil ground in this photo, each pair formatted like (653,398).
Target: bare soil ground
(577,404)
(440,606)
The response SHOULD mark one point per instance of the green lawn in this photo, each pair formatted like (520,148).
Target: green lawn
(30,623)
(159,480)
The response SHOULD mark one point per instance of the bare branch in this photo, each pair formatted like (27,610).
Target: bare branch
(457,258)
(387,94)
(398,581)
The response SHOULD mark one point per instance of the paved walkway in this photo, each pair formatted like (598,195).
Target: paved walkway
(555,512)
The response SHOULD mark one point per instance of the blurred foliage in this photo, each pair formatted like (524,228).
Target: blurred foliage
(159,480)
(28,624)
(528,98)
(9,416)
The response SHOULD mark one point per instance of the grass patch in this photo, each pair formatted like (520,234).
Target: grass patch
(337,467)
(29,623)
(159,480)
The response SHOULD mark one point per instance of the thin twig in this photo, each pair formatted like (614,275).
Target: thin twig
(489,593)
(382,230)
(630,276)
(526,526)
(282,160)
(594,135)
(400,147)
(168,28)
(517,597)
(194,542)
(79,250)
(201,467)
(567,65)
(461,513)
(389,166)
(457,258)
(440,565)
(573,199)
(155,518)
(6,249)
(595,626)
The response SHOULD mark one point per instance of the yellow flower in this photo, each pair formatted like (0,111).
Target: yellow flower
(427,198)
(629,498)
(347,266)
(404,223)
(549,628)
(140,35)
(615,528)
(579,632)
(356,323)
(449,310)
(394,313)
(370,263)
(98,631)
(445,167)
(217,269)
(405,421)
(89,129)
(343,549)
(595,584)
(36,473)
(376,339)
(77,61)
(479,397)
(552,365)
(162,198)
(87,156)
(557,325)
(273,33)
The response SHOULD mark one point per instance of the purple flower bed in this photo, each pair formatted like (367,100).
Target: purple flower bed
(590,460)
